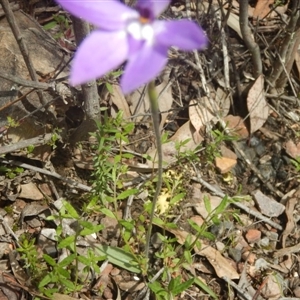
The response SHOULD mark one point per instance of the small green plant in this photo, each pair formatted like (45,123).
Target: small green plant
(65,273)
(32,262)
(12,122)
(296,163)
(54,138)
(11,173)
(62,22)
(212,149)
(109,166)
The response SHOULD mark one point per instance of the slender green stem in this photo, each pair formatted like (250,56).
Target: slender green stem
(155,118)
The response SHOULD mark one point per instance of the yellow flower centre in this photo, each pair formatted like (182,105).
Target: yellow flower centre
(144,20)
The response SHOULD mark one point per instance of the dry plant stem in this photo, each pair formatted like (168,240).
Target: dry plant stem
(27,83)
(287,43)
(247,36)
(281,82)
(70,182)
(23,48)
(224,50)
(36,141)
(89,90)
(155,119)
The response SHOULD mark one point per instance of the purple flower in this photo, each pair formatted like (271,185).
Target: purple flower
(132,35)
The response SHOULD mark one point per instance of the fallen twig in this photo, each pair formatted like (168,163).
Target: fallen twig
(70,182)
(36,141)
(27,83)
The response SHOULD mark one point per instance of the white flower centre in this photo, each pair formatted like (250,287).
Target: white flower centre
(140,31)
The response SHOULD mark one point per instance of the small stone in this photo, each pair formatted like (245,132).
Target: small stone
(273,287)
(225,164)
(249,257)
(31,192)
(264,242)
(115,272)
(268,206)
(220,246)
(253,235)
(273,236)
(235,254)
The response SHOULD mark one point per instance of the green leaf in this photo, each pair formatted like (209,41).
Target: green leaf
(179,288)
(68,284)
(66,242)
(87,231)
(208,235)
(47,279)
(63,272)
(127,193)
(118,257)
(67,261)
(177,198)
(71,210)
(156,288)
(207,204)
(49,260)
(205,288)
(50,25)
(109,87)
(108,213)
(221,207)
(127,224)
(86,261)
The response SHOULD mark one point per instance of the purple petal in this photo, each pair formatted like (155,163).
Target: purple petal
(183,34)
(144,66)
(99,53)
(154,7)
(111,14)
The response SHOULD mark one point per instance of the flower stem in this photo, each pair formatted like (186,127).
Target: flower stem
(155,119)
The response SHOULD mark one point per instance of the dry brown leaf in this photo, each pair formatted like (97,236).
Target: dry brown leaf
(223,101)
(139,99)
(237,126)
(292,149)
(200,113)
(262,9)
(290,225)
(186,131)
(138,103)
(297,61)
(257,105)
(165,101)
(119,100)
(57,296)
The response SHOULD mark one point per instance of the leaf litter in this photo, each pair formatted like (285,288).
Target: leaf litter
(276,251)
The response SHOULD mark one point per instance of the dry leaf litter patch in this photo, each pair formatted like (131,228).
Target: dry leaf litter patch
(243,135)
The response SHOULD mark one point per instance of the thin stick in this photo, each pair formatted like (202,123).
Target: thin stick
(70,182)
(27,83)
(36,141)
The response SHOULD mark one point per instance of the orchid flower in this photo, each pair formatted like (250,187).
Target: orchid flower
(127,34)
